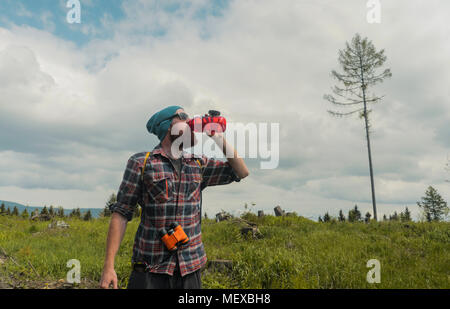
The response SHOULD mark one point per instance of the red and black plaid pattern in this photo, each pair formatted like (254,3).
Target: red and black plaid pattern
(158,194)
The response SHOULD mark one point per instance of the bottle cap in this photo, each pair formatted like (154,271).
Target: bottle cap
(213,113)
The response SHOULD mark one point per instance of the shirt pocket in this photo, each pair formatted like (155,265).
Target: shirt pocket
(193,188)
(160,187)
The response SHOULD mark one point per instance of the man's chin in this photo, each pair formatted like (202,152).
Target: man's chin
(182,145)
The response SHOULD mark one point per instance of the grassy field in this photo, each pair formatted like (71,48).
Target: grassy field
(294,253)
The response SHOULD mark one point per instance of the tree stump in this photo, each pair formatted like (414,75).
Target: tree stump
(253,230)
(58,224)
(41,217)
(222,216)
(278,211)
(220,265)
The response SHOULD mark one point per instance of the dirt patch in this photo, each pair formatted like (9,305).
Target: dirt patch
(13,282)
(3,259)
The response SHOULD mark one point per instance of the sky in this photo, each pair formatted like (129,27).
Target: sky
(75,97)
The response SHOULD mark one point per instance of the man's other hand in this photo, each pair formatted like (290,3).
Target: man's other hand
(109,277)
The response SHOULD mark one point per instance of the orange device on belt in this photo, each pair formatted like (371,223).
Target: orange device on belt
(174,237)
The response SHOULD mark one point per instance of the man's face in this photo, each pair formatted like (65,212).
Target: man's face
(178,127)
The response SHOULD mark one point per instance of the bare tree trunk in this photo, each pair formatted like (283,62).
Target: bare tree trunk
(370,165)
(374,204)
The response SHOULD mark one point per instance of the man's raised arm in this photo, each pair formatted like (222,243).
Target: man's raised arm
(236,162)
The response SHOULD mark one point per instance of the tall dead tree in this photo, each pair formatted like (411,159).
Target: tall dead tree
(360,63)
(447,168)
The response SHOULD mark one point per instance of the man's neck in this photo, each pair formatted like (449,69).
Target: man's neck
(166,145)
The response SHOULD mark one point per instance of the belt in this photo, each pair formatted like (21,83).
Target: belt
(143,267)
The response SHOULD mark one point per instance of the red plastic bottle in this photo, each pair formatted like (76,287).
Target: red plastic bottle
(212,121)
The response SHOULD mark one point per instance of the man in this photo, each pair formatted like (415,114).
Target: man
(169,191)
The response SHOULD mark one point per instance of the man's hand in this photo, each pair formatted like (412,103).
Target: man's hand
(210,130)
(117,227)
(236,162)
(109,277)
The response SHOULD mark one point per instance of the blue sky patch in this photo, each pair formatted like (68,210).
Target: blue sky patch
(51,16)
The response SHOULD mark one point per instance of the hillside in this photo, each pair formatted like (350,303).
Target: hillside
(294,253)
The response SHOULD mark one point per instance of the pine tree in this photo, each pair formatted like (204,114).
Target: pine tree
(25,214)
(367,218)
(111,201)
(3,209)
(360,62)
(75,213)
(106,212)
(385,218)
(354,215)
(320,219)
(326,217)
(15,212)
(341,216)
(51,211)
(87,216)
(433,205)
(8,212)
(35,212)
(394,217)
(405,216)
(60,212)
(44,211)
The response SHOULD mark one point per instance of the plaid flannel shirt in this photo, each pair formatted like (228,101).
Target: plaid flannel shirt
(158,194)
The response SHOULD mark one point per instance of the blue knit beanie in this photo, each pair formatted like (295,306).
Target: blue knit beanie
(159,123)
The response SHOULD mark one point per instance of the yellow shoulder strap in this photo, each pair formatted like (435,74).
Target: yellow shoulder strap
(199,164)
(142,176)
(145,162)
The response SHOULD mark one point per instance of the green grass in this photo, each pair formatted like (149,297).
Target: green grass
(294,253)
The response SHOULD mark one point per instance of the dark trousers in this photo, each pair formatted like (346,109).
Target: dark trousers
(148,280)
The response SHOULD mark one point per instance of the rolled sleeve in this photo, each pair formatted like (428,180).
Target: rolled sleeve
(216,172)
(129,190)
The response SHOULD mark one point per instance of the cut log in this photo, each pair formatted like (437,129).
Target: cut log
(220,265)
(58,224)
(252,230)
(222,216)
(278,211)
